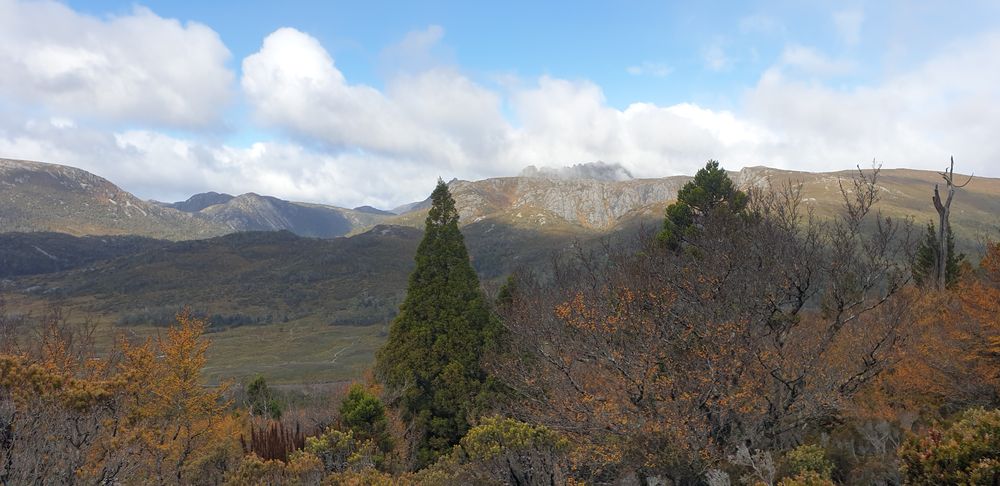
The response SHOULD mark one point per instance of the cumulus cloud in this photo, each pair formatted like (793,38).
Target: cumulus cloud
(155,165)
(134,68)
(436,115)
(563,122)
(350,143)
(789,118)
(914,119)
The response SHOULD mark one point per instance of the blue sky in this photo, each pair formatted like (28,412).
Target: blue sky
(595,40)
(368,103)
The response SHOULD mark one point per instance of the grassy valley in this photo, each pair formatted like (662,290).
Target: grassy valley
(311,310)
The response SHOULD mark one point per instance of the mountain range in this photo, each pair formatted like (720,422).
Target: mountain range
(48,197)
(256,264)
(583,199)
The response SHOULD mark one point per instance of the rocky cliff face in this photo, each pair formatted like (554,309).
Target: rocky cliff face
(589,203)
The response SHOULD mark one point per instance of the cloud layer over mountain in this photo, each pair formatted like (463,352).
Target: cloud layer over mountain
(149,101)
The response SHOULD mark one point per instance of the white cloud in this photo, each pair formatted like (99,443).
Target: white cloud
(436,115)
(134,68)
(650,68)
(565,122)
(848,25)
(358,144)
(155,165)
(915,119)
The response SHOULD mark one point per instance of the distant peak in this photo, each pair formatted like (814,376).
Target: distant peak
(201,201)
(372,210)
(598,171)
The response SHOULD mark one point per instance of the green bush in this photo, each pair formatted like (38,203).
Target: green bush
(808,458)
(261,401)
(301,469)
(498,435)
(965,452)
(364,414)
(502,451)
(342,451)
(807,478)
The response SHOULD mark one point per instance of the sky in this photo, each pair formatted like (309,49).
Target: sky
(369,103)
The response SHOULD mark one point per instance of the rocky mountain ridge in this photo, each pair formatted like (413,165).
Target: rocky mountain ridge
(38,196)
(588,203)
(48,197)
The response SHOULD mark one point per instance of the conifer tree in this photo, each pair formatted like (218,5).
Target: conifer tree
(363,413)
(431,361)
(710,190)
(925,265)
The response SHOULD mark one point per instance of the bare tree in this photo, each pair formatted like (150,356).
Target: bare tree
(944,225)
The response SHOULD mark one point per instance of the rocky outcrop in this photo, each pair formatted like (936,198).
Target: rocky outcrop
(589,203)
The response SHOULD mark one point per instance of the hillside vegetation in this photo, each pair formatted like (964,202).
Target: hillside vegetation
(322,287)
(37,253)
(745,342)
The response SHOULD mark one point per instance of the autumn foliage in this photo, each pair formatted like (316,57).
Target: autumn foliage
(754,343)
(762,327)
(142,410)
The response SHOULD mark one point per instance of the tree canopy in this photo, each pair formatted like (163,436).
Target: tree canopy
(431,361)
(711,190)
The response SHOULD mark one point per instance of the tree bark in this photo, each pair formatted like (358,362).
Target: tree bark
(944,225)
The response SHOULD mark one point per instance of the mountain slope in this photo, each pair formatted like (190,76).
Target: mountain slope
(904,193)
(48,197)
(41,252)
(251,212)
(201,201)
(326,289)
(585,206)
(548,204)
(266,275)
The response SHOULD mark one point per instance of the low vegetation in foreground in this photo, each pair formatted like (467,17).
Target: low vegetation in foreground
(748,342)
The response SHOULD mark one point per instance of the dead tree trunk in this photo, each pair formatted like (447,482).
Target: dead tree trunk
(944,226)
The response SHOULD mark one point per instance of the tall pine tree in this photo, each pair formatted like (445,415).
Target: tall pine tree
(431,362)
